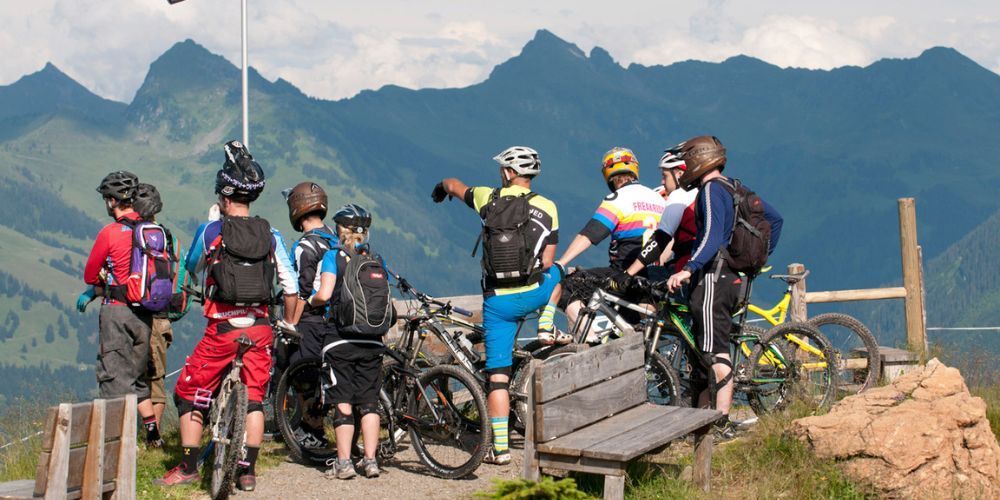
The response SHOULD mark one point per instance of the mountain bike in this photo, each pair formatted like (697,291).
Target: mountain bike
(856,347)
(441,407)
(433,316)
(227,423)
(771,369)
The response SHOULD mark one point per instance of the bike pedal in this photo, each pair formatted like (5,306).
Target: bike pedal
(202,399)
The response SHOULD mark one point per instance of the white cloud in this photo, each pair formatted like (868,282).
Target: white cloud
(335,49)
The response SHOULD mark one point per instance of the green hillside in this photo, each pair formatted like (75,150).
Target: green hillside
(831,149)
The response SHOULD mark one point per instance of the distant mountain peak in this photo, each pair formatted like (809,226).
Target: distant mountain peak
(51,91)
(548,44)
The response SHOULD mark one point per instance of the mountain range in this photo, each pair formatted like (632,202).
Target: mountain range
(832,150)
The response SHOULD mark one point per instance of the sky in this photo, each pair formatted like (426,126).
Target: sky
(334,49)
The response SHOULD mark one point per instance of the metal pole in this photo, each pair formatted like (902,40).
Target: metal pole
(246,102)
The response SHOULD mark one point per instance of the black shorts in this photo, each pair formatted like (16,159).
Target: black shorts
(354,371)
(582,284)
(311,344)
(714,299)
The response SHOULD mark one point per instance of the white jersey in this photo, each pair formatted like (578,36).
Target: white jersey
(677,202)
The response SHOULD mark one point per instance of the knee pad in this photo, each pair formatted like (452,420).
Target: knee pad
(366,408)
(253,406)
(184,407)
(503,370)
(497,386)
(341,418)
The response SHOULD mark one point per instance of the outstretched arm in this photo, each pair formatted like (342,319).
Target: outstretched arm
(579,244)
(449,187)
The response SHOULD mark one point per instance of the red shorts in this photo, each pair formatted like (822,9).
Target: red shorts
(212,357)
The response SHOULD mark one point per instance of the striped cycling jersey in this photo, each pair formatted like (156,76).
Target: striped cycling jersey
(629,216)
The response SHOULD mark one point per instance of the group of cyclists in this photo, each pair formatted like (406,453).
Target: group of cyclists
(334,288)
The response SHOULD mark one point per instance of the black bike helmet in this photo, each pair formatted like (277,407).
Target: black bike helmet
(119,185)
(241,178)
(147,201)
(353,216)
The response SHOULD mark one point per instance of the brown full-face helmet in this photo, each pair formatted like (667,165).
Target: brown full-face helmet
(304,199)
(701,154)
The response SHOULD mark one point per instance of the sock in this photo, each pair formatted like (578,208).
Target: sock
(152,430)
(252,452)
(545,321)
(189,459)
(499,425)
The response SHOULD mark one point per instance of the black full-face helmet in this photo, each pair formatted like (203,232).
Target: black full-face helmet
(241,178)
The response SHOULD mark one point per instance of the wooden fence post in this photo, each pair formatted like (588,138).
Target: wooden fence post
(916,329)
(797,308)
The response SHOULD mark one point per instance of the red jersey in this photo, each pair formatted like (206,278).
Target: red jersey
(112,251)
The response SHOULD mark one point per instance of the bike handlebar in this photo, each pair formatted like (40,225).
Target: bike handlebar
(405,287)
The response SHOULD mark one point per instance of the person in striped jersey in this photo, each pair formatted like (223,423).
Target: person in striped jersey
(629,215)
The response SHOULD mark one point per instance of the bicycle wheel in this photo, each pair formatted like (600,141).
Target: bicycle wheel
(300,394)
(663,384)
(860,363)
(792,364)
(448,421)
(229,446)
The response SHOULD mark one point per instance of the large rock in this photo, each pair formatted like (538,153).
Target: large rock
(923,436)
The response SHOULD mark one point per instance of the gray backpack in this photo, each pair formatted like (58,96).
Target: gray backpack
(364,306)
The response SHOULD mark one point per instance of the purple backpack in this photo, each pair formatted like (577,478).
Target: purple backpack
(150,282)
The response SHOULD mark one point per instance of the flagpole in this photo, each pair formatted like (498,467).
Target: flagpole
(246,102)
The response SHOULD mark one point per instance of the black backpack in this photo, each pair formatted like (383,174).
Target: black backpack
(364,305)
(242,263)
(750,240)
(508,259)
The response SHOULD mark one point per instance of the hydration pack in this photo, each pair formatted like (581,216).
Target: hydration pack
(750,240)
(241,264)
(508,259)
(150,283)
(364,305)
(181,300)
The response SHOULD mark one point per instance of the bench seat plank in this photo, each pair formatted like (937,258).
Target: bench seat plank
(653,434)
(574,444)
(22,488)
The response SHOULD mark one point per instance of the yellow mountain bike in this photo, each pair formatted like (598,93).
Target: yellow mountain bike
(856,347)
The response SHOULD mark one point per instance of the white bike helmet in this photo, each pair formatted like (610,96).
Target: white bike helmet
(521,159)
(670,160)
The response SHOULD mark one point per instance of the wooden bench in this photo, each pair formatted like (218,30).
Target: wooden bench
(588,412)
(88,451)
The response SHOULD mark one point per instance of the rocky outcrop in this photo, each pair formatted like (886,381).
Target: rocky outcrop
(921,436)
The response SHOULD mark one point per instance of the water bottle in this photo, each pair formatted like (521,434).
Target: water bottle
(467,346)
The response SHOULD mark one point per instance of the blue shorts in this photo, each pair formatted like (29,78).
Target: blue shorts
(501,314)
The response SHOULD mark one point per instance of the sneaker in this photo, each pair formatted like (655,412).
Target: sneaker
(341,469)
(308,440)
(154,444)
(495,458)
(177,476)
(725,430)
(246,482)
(546,337)
(369,467)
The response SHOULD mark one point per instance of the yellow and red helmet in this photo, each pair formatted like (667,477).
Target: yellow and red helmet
(618,161)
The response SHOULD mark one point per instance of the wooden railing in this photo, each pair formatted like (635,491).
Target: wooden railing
(912,292)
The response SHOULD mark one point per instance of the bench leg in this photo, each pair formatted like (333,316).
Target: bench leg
(702,467)
(614,487)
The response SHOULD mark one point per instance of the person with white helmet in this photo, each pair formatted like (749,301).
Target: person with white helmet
(520,233)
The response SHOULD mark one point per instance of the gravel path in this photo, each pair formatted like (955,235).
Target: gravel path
(402,477)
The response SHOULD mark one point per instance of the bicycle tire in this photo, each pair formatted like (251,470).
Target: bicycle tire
(805,369)
(226,455)
(852,380)
(473,427)
(296,380)
(663,383)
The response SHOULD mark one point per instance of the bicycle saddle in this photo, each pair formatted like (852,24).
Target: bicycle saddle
(244,341)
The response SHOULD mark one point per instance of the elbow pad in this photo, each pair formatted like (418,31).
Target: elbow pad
(654,248)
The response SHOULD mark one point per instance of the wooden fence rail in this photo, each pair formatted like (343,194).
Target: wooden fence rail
(912,291)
